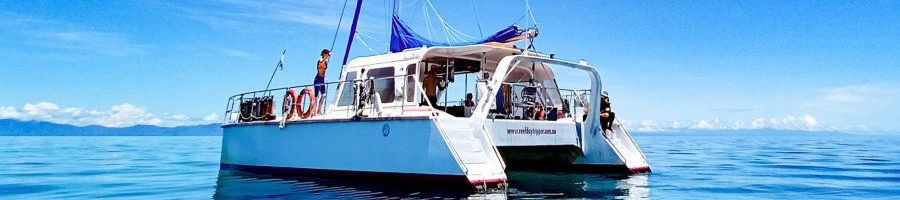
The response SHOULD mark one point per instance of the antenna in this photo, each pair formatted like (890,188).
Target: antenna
(278,66)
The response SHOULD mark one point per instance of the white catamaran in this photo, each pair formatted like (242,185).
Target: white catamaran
(381,123)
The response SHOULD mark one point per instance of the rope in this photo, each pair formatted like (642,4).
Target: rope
(428,21)
(338,27)
(478,21)
(365,44)
(368,36)
(528,8)
(444,22)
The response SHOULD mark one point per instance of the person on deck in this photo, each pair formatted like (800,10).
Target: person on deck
(607,116)
(319,81)
(431,82)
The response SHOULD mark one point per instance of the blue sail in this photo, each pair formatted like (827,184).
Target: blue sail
(403,37)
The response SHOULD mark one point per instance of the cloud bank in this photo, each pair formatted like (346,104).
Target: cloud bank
(121,115)
(804,122)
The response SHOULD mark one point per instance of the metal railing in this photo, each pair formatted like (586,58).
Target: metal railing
(345,101)
(567,97)
(277,94)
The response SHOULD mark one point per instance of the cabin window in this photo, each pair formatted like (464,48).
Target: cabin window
(410,83)
(347,90)
(384,83)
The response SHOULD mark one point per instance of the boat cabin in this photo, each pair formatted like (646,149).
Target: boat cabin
(396,85)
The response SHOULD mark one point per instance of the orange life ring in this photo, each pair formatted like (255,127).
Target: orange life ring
(310,110)
(288,104)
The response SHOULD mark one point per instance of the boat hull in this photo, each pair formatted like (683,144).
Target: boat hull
(558,146)
(399,148)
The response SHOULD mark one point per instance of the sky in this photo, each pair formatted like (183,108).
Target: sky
(668,65)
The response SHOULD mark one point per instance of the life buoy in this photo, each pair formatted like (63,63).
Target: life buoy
(311,108)
(287,105)
(540,115)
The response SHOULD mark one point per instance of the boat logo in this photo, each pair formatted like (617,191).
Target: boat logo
(385,130)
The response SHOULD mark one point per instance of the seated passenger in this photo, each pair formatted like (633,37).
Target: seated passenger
(469,105)
(607,116)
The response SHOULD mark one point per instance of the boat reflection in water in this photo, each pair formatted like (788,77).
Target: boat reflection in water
(233,184)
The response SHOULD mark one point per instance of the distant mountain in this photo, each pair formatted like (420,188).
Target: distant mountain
(12,127)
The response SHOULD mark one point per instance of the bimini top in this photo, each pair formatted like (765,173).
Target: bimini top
(403,37)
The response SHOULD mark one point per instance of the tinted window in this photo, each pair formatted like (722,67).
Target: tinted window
(384,83)
(410,83)
(347,90)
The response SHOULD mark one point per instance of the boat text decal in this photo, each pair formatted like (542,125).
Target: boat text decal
(530,131)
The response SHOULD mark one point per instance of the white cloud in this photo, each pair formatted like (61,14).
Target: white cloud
(850,94)
(240,14)
(854,99)
(66,36)
(107,43)
(212,117)
(121,115)
(9,112)
(810,121)
(236,54)
(42,110)
(248,16)
(805,122)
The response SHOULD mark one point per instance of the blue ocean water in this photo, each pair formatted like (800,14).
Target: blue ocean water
(745,165)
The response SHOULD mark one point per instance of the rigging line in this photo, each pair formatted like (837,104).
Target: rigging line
(443,21)
(341,19)
(369,36)
(428,22)
(413,19)
(446,35)
(452,37)
(528,8)
(478,21)
(396,7)
(409,4)
(443,28)
(388,18)
(365,44)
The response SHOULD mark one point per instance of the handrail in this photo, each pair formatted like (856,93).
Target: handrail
(257,93)
(490,139)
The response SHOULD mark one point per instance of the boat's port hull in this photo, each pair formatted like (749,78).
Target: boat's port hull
(410,147)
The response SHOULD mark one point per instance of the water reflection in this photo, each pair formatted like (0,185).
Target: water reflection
(522,184)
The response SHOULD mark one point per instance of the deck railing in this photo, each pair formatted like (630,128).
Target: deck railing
(347,103)
(233,112)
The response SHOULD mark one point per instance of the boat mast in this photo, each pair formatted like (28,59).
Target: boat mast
(352,31)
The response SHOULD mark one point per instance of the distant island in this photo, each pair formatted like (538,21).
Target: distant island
(13,127)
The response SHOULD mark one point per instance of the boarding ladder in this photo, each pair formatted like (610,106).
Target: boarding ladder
(475,149)
(627,149)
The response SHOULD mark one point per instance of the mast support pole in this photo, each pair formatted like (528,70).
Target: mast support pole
(352,31)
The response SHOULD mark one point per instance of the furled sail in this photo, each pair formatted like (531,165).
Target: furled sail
(403,37)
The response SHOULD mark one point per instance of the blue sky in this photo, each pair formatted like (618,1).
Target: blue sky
(807,65)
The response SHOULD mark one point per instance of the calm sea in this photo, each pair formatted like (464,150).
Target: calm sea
(747,165)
